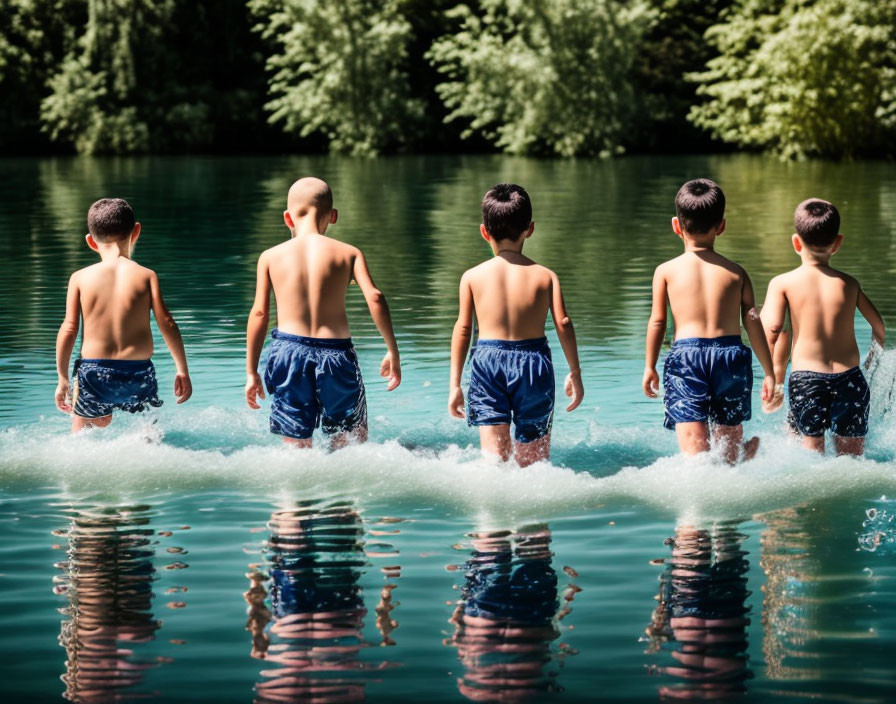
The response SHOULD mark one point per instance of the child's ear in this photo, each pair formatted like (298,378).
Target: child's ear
(482,231)
(91,242)
(797,243)
(135,233)
(721,228)
(530,230)
(676,227)
(287,219)
(837,243)
(334,216)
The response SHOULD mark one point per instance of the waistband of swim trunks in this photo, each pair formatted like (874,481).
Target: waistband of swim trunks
(722,341)
(115,363)
(805,374)
(333,343)
(514,345)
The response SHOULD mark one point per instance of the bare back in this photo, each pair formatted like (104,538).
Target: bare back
(822,303)
(511,297)
(310,274)
(705,292)
(115,300)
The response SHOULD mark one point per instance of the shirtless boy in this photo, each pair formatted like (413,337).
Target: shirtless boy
(827,389)
(708,375)
(511,373)
(312,372)
(114,298)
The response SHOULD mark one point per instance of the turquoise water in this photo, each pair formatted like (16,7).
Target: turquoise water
(187,556)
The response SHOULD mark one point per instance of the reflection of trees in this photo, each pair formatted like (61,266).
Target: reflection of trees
(312,633)
(108,580)
(702,617)
(507,617)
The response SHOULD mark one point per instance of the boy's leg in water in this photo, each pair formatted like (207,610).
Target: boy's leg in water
(693,438)
(849,446)
(302,443)
(526,453)
(495,440)
(731,439)
(354,437)
(79,422)
(814,443)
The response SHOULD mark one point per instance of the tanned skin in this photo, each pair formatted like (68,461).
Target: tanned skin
(510,296)
(114,298)
(710,296)
(310,274)
(822,303)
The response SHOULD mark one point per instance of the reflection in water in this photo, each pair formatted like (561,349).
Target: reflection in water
(702,616)
(312,633)
(108,580)
(508,616)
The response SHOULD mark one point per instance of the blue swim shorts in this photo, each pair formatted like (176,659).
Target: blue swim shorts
(102,385)
(820,401)
(314,381)
(512,381)
(523,591)
(708,379)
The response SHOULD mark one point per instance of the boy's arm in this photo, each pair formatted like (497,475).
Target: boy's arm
(379,311)
(256,330)
(65,342)
(567,335)
(656,331)
(460,344)
(183,387)
(871,314)
(774,317)
(756,334)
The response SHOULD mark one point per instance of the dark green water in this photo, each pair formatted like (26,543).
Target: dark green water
(194,559)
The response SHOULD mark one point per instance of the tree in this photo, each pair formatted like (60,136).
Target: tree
(803,77)
(338,68)
(547,77)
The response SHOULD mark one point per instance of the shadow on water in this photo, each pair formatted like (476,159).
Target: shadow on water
(306,606)
(507,618)
(699,626)
(107,578)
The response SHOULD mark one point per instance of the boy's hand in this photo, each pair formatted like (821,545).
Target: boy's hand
(254,388)
(64,396)
(776,401)
(768,389)
(574,389)
(183,387)
(391,369)
(650,383)
(456,402)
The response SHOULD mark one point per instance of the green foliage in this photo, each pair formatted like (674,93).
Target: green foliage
(803,77)
(338,68)
(543,77)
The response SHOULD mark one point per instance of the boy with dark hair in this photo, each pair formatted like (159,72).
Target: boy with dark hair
(114,298)
(312,372)
(511,373)
(827,390)
(708,375)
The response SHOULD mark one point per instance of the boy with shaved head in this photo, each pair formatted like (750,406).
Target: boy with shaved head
(312,372)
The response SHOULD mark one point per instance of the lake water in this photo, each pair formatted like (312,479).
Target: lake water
(187,556)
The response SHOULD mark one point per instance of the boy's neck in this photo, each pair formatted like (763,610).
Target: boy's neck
(500,247)
(308,225)
(699,244)
(109,251)
(815,258)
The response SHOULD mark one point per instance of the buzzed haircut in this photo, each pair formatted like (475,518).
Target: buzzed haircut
(700,206)
(110,219)
(506,211)
(817,222)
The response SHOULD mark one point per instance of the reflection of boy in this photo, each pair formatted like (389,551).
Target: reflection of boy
(114,297)
(312,373)
(827,389)
(511,373)
(708,375)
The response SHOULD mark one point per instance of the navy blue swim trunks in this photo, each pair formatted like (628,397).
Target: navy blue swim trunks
(820,401)
(103,385)
(512,381)
(314,381)
(708,379)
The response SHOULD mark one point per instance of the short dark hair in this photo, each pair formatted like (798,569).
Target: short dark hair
(506,211)
(110,219)
(700,206)
(817,222)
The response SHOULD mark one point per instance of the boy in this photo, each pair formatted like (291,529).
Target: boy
(511,374)
(312,373)
(827,389)
(114,297)
(708,375)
